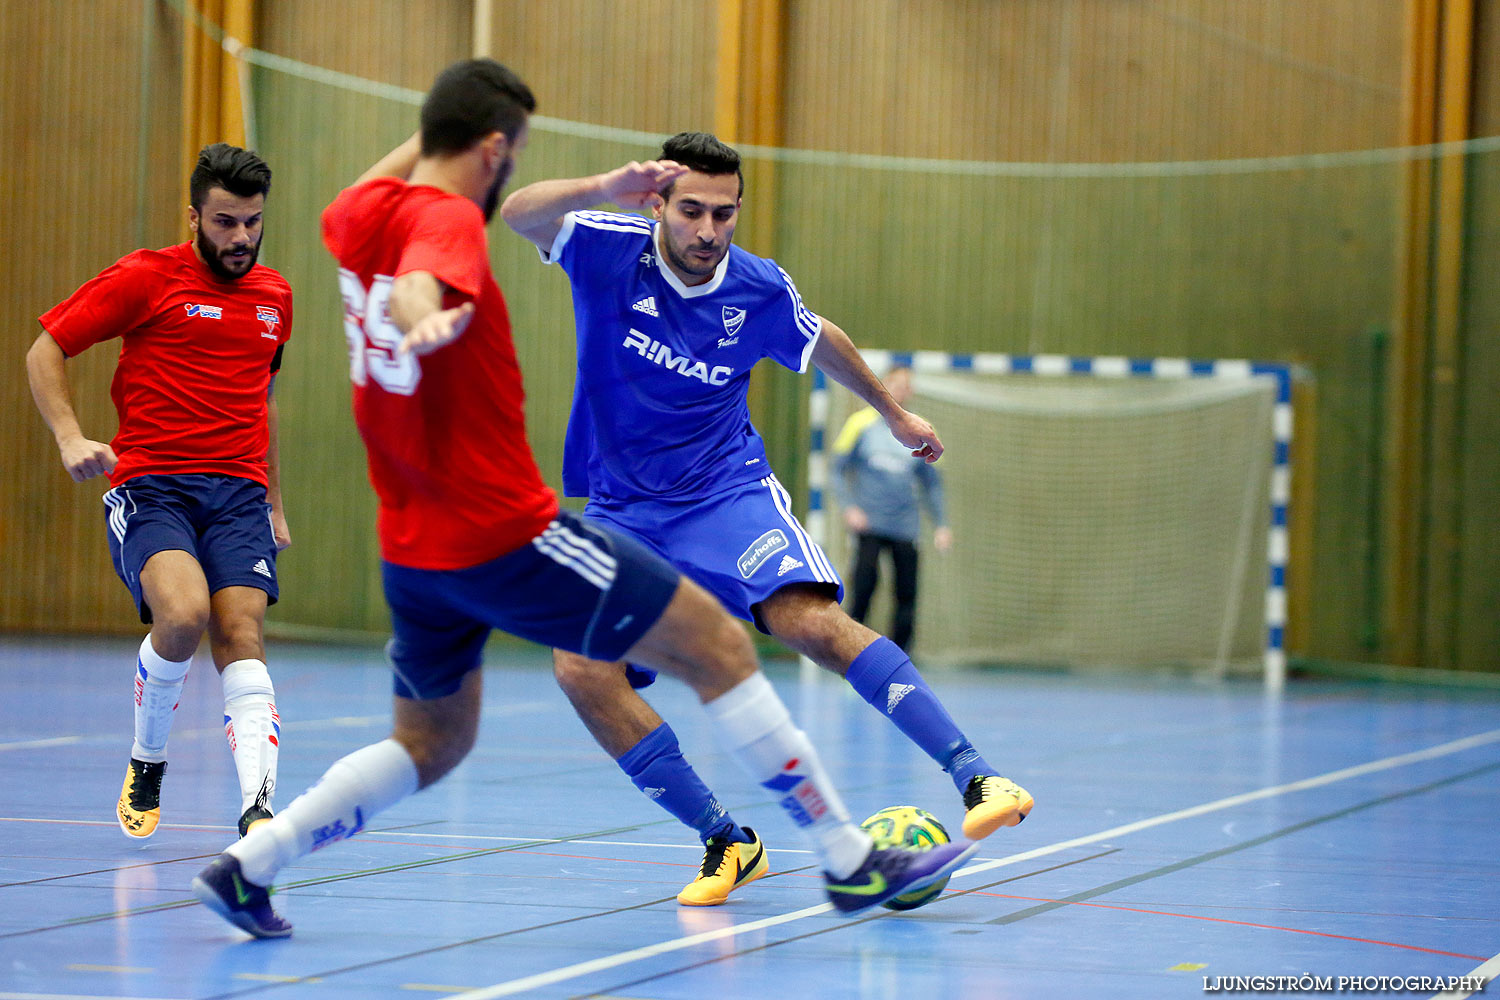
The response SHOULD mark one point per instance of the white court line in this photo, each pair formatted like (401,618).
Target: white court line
(55,741)
(567,972)
(339,721)
(1489,970)
(1374,767)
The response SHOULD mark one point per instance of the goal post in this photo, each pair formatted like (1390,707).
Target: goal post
(1107,511)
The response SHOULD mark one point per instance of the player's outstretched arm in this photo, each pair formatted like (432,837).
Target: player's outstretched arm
(836,354)
(46,371)
(536,211)
(416,307)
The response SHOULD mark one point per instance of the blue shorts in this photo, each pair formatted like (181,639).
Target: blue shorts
(224,522)
(575,587)
(742,545)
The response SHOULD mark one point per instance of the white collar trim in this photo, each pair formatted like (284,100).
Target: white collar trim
(686,291)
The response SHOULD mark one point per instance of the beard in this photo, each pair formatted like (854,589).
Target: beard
(214,258)
(688,265)
(492,197)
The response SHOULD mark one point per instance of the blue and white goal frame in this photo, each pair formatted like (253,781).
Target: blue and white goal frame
(1061,365)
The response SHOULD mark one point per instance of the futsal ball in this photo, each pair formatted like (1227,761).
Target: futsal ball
(908,826)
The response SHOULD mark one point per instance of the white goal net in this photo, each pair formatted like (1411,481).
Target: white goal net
(1105,513)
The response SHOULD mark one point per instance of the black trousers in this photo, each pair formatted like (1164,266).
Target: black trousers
(867,573)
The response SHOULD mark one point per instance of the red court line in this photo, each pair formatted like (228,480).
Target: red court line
(1237,923)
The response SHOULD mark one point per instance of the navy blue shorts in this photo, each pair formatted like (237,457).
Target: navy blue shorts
(575,586)
(224,522)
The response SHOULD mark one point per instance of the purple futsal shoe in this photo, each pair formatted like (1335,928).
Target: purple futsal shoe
(225,890)
(894,871)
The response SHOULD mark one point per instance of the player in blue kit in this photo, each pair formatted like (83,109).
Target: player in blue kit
(671,316)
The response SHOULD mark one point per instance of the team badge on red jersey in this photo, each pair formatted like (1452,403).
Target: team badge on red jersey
(269,316)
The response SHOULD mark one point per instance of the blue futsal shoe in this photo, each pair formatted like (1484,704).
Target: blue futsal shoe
(895,871)
(225,890)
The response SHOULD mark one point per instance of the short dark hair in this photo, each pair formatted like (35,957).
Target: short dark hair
(468,101)
(704,153)
(236,170)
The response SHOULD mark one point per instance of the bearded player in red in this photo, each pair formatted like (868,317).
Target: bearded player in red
(194,516)
(473,540)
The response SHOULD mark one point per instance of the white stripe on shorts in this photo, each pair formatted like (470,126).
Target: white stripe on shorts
(817,561)
(583,547)
(115,500)
(580,555)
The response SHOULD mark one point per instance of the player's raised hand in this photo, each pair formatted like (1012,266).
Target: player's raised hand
(436,329)
(85,459)
(635,184)
(917,434)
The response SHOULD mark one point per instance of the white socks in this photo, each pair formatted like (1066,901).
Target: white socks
(252,727)
(756,726)
(158,685)
(349,794)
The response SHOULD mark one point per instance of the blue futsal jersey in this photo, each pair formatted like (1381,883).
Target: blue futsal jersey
(659,407)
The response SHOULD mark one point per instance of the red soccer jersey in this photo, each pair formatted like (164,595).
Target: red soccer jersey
(195,359)
(446,433)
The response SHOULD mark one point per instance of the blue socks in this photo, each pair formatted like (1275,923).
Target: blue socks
(883,675)
(657,768)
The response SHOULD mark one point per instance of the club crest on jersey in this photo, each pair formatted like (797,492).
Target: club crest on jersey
(760,550)
(204,311)
(734,318)
(270,316)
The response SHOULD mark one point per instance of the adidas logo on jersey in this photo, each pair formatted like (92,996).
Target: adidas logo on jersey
(646,305)
(261,568)
(787,565)
(655,793)
(894,695)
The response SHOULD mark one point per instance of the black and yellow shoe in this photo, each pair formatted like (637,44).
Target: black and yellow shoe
(727,865)
(139,808)
(991,802)
(260,810)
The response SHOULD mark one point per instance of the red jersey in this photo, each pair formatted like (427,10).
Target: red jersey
(196,358)
(446,432)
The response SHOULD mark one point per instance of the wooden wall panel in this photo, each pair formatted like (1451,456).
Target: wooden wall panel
(1092,80)
(1486,68)
(1479,556)
(405,44)
(81,190)
(646,64)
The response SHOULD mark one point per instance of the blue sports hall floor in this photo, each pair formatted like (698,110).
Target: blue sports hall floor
(1189,839)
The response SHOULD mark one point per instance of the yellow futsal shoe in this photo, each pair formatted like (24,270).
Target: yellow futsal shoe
(259,811)
(993,802)
(727,865)
(139,808)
